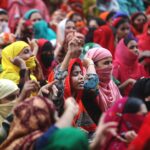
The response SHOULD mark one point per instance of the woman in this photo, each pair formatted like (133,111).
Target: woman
(17,58)
(126,67)
(138,20)
(108,91)
(45,56)
(143,42)
(129,113)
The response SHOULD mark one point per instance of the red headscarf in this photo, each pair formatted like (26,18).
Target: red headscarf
(126,122)
(105,37)
(89,126)
(126,65)
(46,71)
(143,137)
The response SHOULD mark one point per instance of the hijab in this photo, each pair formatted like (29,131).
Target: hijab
(126,65)
(108,91)
(11,71)
(32,118)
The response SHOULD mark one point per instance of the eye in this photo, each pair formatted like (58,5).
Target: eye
(26,51)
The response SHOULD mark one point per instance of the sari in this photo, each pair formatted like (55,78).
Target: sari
(82,119)
(32,118)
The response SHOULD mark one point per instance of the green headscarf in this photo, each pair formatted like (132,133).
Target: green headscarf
(41,30)
(68,139)
(86,48)
(28,14)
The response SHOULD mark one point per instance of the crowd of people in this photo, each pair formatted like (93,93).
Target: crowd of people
(74,75)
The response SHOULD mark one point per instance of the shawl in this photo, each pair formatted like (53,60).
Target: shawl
(82,119)
(108,92)
(32,118)
(126,65)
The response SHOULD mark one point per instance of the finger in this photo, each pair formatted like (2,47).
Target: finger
(49,85)
(101,120)
(29,41)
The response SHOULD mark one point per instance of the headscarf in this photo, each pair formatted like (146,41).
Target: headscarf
(28,14)
(141,142)
(126,121)
(41,30)
(104,36)
(45,46)
(11,71)
(141,89)
(136,30)
(76,140)
(108,91)
(7,87)
(32,118)
(82,116)
(126,65)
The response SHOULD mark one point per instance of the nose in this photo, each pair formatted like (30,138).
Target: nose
(80,77)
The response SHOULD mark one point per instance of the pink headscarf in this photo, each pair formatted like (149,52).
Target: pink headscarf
(126,65)
(108,91)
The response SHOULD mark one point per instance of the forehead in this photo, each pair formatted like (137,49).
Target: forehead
(70,23)
(35,15)
(76,67)
(125,24)
(132,42)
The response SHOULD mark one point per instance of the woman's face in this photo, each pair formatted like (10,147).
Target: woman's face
(35,17)
(70,27)
(13,96)
(139,20)
(123,30)
(133,47)
(104,63)
(26,53)
(77,80)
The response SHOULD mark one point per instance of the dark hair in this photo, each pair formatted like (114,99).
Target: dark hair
(132,105)
(129,38)
(47,46)
(120,22)
(110,15)
(3,12)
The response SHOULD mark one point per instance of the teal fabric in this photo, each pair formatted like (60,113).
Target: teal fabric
(41,30)
(28,14)
(67,139)
(131,6)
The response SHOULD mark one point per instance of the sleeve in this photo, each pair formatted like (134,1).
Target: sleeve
(43,140)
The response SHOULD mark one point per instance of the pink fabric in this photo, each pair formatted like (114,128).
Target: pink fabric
(17,8)
(126,66)
(108,91)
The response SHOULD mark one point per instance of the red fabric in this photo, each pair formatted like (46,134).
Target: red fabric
(143,136)
(125,122)
(4,4)
(144,44)
(68,93)
(45,70)
(75,1)
(105,37)
(126,66)
(17,8)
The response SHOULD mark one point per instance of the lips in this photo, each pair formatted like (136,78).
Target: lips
(81,84)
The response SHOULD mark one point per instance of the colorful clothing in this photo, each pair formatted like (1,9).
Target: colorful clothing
(108,91)
(32,118)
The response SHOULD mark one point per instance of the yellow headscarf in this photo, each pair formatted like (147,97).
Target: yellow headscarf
(11,71)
